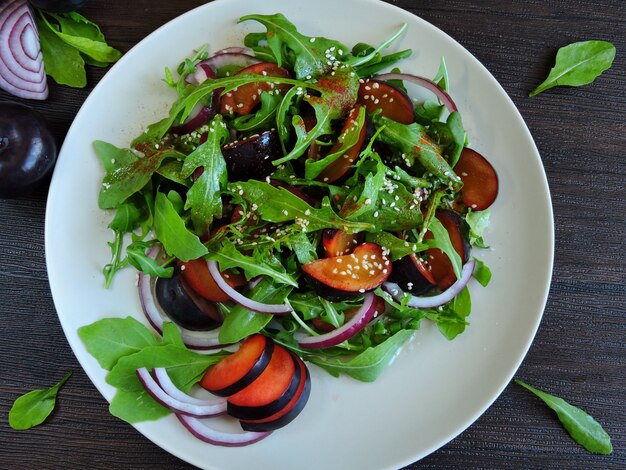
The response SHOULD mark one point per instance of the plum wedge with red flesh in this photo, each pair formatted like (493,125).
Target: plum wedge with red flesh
(337,169)
(347,276)
(252,158)
(437,261)
(237,371)
(480,180)
(244,99)
(185,307)
(392,101)
(338,243)
(291,410)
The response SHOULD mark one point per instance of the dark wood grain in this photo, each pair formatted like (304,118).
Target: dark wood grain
(580,350)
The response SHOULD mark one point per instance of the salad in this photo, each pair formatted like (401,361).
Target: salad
(297,205)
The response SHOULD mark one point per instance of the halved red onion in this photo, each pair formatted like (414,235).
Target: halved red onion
(347,330)
(423,82)
(163,380)
(211,435)
(192,339)
(241,299)
(21,63)
(236,59)
(435,300)
(177,406)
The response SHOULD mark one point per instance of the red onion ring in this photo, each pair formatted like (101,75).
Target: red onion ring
(192,339)
(21,62)
(347,330)
(163,380)
(234,50)
(242,300)
(436,300)
(207,434)
(177,406)
(237,59)
(423,82)
(202,73)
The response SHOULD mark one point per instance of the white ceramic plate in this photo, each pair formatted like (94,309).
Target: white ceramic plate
(435,388)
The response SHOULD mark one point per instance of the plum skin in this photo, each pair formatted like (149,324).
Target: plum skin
(28,149)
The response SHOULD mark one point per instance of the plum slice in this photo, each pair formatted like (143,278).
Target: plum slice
(244,99)
(347,276)
(337,169)
(437,261)
(412,275)
(393,102)
(339,243)
(252,158)
(196,274)
(184,307)
(271,390)
(480,180)
(290,411)
(235,372)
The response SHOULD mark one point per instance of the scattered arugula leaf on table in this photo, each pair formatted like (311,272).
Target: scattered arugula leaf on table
(33,408)
(578,64)
(585,430)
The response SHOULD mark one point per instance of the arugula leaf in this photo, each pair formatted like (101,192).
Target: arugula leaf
(337,95)
(61,61)
(33,408)
(204,197)
(241,322)
(450,318)
(184,367)
(136,406)
(578,64)
(373,55)
(441,240)
(309,57)
(109,339)
(136,255)
(279,205)
(478,222)
(171,335)
(397,247)
(585,430)
(171,231)
(369,364)
(126,173)
(345,142)
(416,146)
(259,265)
(263,118)
(482,273)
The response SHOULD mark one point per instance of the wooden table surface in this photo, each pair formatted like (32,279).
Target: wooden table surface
(580,350)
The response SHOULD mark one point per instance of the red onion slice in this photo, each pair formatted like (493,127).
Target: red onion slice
(234,50)
(211,435)
(202,73)
(242,300)
(347,330)
(177,406)
(436,300)
(198,117)
(192,339)
(21,62)
(235,59)
(163,380)
(423,82)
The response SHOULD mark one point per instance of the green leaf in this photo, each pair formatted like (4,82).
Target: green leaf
(75,24)
(280,205)
(136,253)
(442,241)
(229,257)
(184,367)
(369,364)
(397,247)
(261,120)
(109,339)
(585,430)
(241,322)
(482,273)
(33,408)
(171,335)
(61,61)
(313,57)
(94,48)
(364,60)
(478,222)
(136,406)
(578,64)
(204,198)
(171,231)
